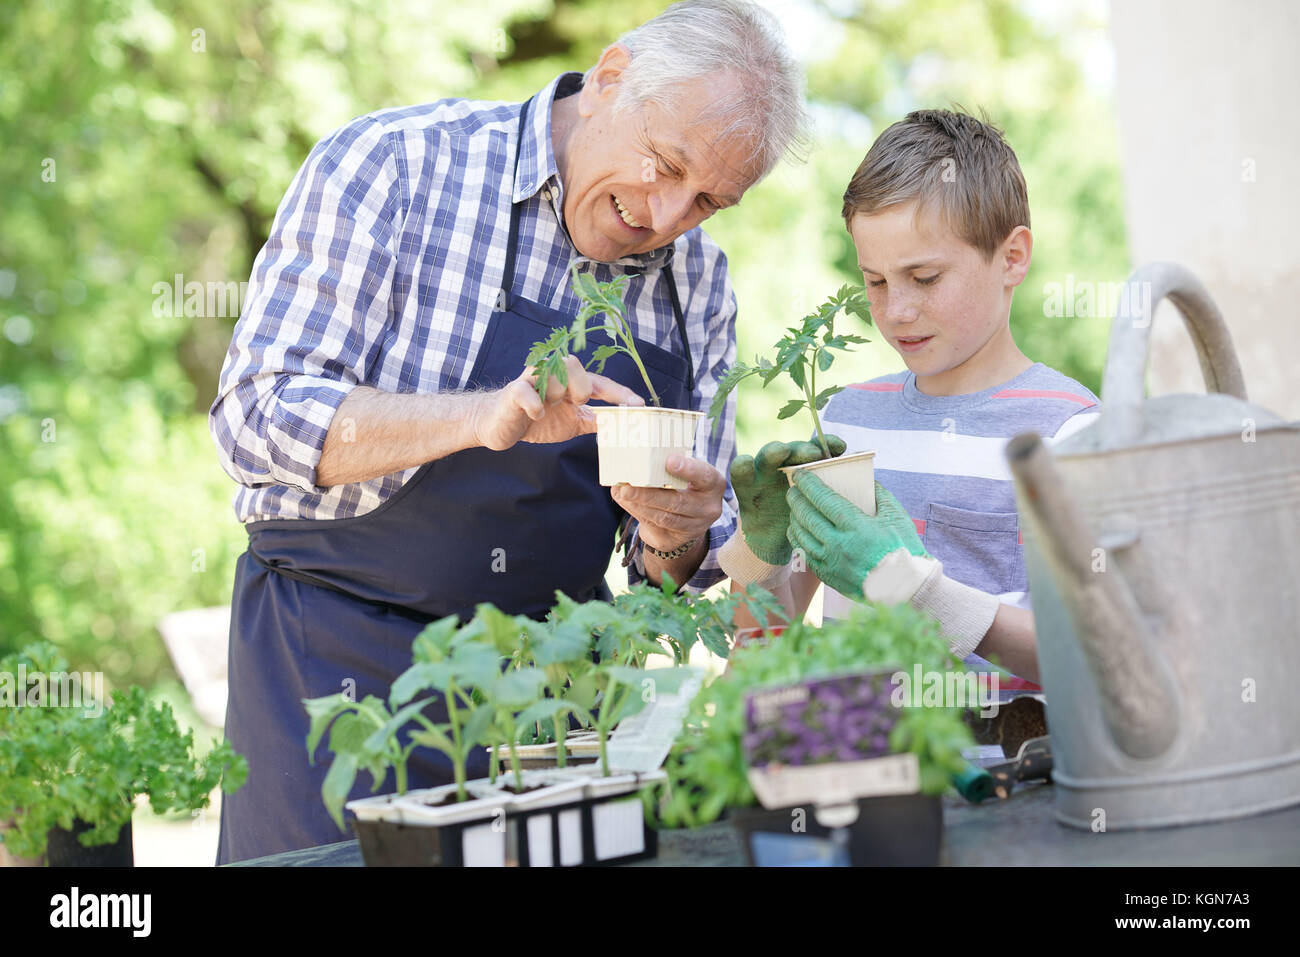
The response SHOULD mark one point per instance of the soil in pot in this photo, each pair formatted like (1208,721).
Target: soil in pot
(66,850)
(449,800)
(513,790)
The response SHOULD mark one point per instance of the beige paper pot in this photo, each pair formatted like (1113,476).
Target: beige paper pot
(634,442)
(853,476)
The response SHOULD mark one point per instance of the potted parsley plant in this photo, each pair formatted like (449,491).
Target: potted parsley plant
(70,775)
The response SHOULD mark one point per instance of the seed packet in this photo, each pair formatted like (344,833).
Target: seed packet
(826,741)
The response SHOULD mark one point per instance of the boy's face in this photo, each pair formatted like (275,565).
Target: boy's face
(938,301)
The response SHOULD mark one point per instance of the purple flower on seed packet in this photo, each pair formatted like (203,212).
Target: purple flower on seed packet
(842,718)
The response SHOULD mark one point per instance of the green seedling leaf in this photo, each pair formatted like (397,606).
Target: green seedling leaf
(517,688)
(662,680)
(477,728)
(338,785)
(606,299)
(348,734)
(322,711)
(434,642)
(436,738)
(825,396)
(394,723)
(716,642)
(567,643)
(476,665)
(600,356)
(733,377)
(586,286)
(791,408)
(583,691)
(421,676)
(502,630)
(542,710)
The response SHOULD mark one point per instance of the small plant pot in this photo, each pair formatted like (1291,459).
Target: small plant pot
(617,828)
(853,476)
(66,850)
(617,784)
(415,830)
(634,443)
(544,826)
(613,822)
(382,807)
(895,830)
(581,748)
(540,791)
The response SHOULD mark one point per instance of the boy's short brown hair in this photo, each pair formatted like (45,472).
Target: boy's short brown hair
(962,163)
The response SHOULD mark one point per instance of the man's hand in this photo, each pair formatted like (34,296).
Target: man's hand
(517,413)
(761,487)
(669,518)
(841,543)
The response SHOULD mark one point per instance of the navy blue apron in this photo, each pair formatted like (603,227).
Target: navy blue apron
(323,606)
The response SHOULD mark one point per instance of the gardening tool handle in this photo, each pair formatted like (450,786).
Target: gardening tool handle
(974,784)
(1123,382)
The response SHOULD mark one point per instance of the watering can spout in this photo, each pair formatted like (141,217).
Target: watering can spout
(1137,695)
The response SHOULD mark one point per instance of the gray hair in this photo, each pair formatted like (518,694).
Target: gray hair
(697,38)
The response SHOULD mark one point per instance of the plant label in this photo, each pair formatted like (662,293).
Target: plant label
(826,741)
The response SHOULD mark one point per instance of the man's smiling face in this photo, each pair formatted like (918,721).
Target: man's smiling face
(635,181)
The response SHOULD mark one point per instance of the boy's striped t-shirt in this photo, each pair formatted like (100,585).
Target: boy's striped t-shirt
(942,457)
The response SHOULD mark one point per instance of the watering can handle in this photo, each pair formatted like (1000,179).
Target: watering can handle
(1123,383)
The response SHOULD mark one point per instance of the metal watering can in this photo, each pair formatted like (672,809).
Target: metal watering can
(1163,550)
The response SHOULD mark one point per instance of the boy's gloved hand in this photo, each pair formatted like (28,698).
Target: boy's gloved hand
(841,543)
(881,557)
(760,550)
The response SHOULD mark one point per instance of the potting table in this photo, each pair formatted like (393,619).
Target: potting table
(1018,831)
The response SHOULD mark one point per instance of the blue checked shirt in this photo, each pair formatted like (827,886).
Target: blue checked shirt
(382,269)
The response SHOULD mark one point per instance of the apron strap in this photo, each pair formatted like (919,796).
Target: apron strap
(512,244)
(681,328)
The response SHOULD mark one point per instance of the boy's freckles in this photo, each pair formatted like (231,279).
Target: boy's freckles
(937,300)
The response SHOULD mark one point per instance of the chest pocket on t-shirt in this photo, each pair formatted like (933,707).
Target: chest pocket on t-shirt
(980,549)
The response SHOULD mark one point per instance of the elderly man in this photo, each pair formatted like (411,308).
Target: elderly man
(396,463)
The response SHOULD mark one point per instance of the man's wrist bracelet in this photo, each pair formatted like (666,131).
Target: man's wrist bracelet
(677,552)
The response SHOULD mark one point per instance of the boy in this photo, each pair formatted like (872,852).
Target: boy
(939,215)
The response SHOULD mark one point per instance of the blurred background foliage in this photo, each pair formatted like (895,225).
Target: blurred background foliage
(145,139)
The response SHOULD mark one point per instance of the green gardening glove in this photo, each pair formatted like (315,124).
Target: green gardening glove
(760,488)
(841,543)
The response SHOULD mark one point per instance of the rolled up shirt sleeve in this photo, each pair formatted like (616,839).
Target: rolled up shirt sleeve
(316,311)
(715,354)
